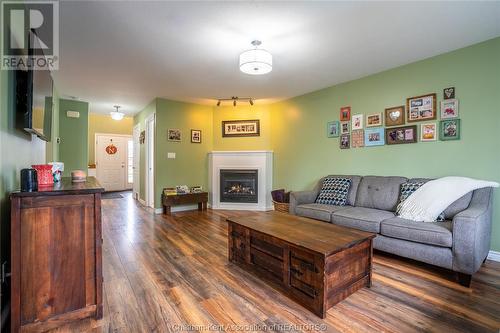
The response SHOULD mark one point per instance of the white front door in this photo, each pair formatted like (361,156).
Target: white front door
(111,161)
(137,151)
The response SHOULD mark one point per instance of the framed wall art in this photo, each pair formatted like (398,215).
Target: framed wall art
(449,93)
(357,122)
(344,127)
(174,135)
(374,120)
(374,137)
(345,113)
(345,141)
(449,108)
(428,132)
(357,138)
(395,116)
(333,129)
(421,108)
(195,136)
(449,129)
(399,135)
(240,128)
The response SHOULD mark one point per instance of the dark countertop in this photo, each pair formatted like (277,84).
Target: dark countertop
(65,187)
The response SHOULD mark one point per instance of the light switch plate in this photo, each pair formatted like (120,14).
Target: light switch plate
(171,155)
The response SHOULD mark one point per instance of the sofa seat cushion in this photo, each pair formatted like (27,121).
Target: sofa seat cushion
(433,233)
(366,219)
(318,211)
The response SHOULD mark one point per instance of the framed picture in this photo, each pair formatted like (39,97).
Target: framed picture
(421,108)
(374,120)
(332,129)
(449,129)
(238,128)
(449,108)
(196,136)
(428,132)
(357,138)
(395,116)
(345,113)
(399,135)
(142,137)
(357,122)
(174,135)
(374,137)
(344,141)
(344,127)
(449,93)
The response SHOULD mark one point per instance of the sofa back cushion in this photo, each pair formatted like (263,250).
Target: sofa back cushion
(379,192)
(457,206)
(353,190)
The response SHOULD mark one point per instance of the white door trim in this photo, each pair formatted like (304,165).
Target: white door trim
(136,187)
(150,161)
(97,135)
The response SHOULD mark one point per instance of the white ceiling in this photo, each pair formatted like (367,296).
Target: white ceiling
(127,53)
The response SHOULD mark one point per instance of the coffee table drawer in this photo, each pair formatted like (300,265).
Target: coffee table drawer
(266,244)
(268,263)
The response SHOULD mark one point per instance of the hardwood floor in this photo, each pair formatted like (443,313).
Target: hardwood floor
(162,274)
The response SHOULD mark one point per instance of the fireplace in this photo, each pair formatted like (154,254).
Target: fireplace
(239,186)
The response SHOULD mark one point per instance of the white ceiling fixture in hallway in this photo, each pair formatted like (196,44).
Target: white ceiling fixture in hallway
(127,53)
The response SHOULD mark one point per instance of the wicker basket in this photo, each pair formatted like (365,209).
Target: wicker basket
(281,206)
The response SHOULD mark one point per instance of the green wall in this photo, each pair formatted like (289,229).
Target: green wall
(52,148)
(73,149)
(303,153)
(18,150)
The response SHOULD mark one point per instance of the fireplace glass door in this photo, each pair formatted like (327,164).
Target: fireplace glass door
(239,186)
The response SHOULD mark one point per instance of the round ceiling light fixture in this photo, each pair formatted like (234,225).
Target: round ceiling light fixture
(256,61)
(117,115)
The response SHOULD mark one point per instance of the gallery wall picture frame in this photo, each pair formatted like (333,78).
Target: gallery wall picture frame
(195,136)
(449,93)
(333,129)
(345,113)
(374,119)
(345,141)
(428,132)
(401,135)
(394,116)
(449,129)
(374,136)
(345,127)
(240,128)
(357,138)
(174,135)
(449,108)
(357,122)
(420,108)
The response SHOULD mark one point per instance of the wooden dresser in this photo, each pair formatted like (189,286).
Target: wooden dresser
(56,255)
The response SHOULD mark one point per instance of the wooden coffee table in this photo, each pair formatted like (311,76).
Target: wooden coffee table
(317,264)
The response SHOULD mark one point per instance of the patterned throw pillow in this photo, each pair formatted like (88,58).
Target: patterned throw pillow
(334,191)
(406,190)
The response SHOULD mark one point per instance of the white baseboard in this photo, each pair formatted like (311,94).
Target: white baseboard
(142,202)
(494,255)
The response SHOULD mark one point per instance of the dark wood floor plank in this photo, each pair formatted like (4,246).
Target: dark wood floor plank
(164,272)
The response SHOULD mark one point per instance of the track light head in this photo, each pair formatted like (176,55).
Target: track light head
(234,102)
(251,101)
(218,102)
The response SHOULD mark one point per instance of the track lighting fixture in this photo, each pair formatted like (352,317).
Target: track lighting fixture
(235,100)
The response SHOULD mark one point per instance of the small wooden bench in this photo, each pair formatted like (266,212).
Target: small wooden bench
(184,199)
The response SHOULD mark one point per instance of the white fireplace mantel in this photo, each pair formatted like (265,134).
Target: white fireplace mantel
(261,160)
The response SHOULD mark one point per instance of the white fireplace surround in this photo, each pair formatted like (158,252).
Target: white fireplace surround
(262,160)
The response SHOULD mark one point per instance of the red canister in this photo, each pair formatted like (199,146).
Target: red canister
(44,174)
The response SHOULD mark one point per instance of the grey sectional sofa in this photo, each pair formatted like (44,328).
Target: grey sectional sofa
(461,243)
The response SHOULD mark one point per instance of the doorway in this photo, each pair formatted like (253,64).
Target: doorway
(112,161)
(150,160)
(136,162)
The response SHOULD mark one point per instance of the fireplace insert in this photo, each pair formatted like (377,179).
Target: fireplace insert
(239,186)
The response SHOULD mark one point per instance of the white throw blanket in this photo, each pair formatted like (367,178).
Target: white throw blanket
(429,200)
